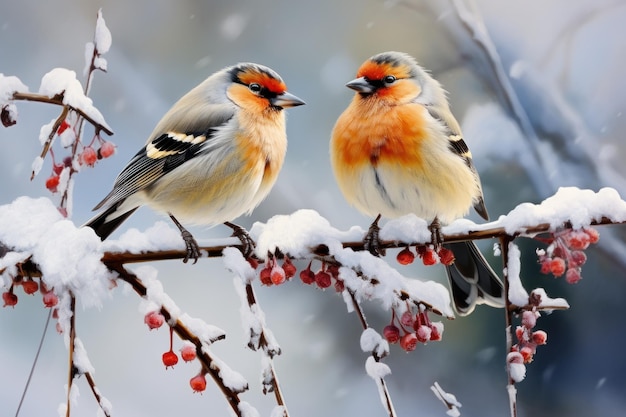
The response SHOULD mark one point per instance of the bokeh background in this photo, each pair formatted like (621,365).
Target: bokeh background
(563,60)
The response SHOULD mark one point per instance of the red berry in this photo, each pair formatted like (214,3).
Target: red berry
(154,320)
(88,156)
(435,331)
(408,342)
(429,257)
(519,333)
(170,359)
(266,275)
(391,333)
(322,279)
(198,383)
(50,299)
(9,299)
(593,235)
(52,183)
(289,268)
(529,319)
(333,270)
(277,275)
(577,240)
(540,337)
(30,287)
(306,275)
(63,127)
(557,267)
(188,352)
(514,357)
(527,353)
(106,149)
(577,258)
(446,256)
(423,333)
(407,319)
(573,276)
(67,161)
(57,168)
(339,285)
(405,256)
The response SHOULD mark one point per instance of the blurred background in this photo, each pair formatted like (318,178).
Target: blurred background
(541,107)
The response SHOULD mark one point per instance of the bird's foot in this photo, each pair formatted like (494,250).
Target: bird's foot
(247,243)
(371,241)
(192,247)
(435,234)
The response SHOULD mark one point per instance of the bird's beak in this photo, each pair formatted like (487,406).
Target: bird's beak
(286,100)
(361,85)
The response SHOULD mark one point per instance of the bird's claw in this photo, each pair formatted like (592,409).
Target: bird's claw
(193,250)
(371,241)
(247,243)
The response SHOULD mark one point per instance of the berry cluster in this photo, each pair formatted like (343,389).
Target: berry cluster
(564,254)
(188,352)
(428,255)
(420,329)
(87,157)
(275,274)
(30,287)
(324,278)
(527,339)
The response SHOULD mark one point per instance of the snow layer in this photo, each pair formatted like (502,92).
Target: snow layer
(10,84)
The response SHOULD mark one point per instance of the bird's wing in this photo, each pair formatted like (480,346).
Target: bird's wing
(457,145)
(165,152)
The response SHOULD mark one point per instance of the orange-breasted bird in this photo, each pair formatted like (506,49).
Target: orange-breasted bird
(214,155)
(397,149)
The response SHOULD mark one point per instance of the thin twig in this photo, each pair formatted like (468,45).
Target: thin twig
(508,315)
(32,368)
(58,100)
(72,338)
(95,392)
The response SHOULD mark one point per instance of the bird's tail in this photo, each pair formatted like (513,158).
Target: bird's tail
(106,222)
(472,281)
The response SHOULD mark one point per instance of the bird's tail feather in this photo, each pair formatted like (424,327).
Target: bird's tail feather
(104,224)
(472,280)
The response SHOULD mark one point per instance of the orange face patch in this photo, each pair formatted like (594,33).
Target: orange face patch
(374,71)
(264,79)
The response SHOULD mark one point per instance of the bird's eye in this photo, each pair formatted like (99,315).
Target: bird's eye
(389,79)
(255,88)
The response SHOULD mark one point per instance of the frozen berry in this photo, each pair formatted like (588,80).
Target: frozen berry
(593,235)
(577,258)
(253,262)
(529,319)
(289,268)
(527,353)
(391,333)
(429,257)
(50,299)
(446,256)
(154,320)
(573,276)
(423,333)
(9,299)
(88,156)
(106,149)
(405,256)
(30,287)
(540,337)
(408,342)
(198,383)
(188,352)
(339,285)
(277,275)
(170,359)
(322,279)
(436,330)
(57,168)
(407,319)
(557,267)
(307,276)
(266,275)
(52,183)
(545,266)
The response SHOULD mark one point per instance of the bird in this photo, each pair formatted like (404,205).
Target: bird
(213,156)
(398,150)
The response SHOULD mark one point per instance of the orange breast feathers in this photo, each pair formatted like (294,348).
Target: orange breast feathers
(369,135)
